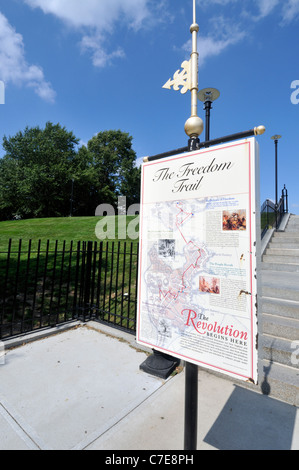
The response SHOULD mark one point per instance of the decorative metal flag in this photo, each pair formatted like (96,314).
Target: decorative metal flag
(181,78)
(187,79)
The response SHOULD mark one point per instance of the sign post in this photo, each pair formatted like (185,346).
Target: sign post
(199,250)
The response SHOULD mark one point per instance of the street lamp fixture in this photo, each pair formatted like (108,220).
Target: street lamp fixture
(207,96)
(276,137)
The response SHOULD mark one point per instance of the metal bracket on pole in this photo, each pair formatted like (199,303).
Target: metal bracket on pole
(259,130)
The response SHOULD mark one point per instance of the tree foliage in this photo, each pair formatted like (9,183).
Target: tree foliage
(43,169)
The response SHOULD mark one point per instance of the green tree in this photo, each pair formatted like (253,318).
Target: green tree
(113,161)
(36,171)
(40,165)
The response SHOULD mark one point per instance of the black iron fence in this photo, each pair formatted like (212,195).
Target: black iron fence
(44,285)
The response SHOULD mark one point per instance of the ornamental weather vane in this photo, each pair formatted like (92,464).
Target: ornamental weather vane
(187,78)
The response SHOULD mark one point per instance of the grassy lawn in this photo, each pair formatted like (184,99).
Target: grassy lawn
(61,228)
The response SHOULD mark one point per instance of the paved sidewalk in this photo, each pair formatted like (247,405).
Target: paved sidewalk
(82,389)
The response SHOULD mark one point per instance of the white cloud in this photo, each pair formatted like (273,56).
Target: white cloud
(96,19)
(94,13)
(206,3)
(267,6)
(223,34)
(257,10)
(95,43)
(290,10)
(228,29)
(262,9)
(13,65)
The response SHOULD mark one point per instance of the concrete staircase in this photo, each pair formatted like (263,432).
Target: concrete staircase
(279,329)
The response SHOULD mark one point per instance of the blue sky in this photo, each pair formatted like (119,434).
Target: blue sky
(101,64)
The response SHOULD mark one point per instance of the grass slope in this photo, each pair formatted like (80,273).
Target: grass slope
(61,229)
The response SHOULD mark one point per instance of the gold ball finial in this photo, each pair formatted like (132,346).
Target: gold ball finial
(259,130)
(194,27)
(194,126)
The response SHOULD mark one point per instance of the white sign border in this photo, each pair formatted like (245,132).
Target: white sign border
(255,234)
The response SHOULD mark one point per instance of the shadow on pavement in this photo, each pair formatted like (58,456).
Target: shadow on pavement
(250,421)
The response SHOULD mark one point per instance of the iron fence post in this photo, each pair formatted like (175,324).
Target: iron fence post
(87,278)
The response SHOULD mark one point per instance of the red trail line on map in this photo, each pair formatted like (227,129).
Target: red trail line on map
(194,265)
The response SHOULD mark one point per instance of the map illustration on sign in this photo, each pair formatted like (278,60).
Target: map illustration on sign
(197,271)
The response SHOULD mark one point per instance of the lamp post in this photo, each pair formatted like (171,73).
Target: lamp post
(207,96)
(276,138)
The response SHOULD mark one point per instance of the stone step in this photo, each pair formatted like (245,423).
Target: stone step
(283,308)
(277,243)
(279,350)
(281,286)
(268,258)
(294,219)
(290,268)
(280,293)
(279,318)
(285,236)
(281,327)
(279,381)
(292,228)
(286,251)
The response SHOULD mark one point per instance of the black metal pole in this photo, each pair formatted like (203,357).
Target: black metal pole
(194,144)
(208,107)
(191,405)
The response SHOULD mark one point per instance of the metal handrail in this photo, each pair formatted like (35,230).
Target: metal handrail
(271,215)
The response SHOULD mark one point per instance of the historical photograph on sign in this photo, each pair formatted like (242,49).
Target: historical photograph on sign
(197,288)
(209,284)
(167,248)
(234,220)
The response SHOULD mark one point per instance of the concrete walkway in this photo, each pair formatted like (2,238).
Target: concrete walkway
(82,389)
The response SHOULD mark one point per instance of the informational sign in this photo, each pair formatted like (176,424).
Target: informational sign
(199,250)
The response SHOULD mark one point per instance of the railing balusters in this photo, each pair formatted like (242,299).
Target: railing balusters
(35,284)
(67,294)
(123,283)
(51,323)
(15,307)
(99,282)
(110,285)
(130,279)
(5,289)
(26,287)
(75,307)
(105,278)
(60,283)
(92,290)
(116,280)
(45,285)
